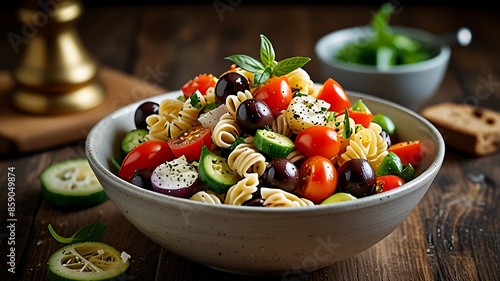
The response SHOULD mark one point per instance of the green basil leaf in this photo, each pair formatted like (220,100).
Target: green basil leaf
(261,76)
(194,101)
(347,124)
(246,62)
(91,232)
(289,64)
(267,55)
(210,106)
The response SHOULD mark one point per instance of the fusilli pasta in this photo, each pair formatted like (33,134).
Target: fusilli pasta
(161,128)
(243,190)
(365,144)
(245,159)
(295,156)
(226,131)
(274,197)
(300,81)
(280,125)
(203,196)
(233,101)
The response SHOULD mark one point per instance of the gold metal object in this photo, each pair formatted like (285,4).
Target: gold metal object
(53,72)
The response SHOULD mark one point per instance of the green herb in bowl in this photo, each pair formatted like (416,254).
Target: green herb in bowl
(385,48)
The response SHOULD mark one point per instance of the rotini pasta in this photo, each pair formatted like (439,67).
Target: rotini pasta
(339,124)
(156,127)
(280,125)
(233,101)
(375,127)
(295,156)
(243,190)
(245,159)
(203,196)
(170,108)
(300,81)
(274,197)
(365,144)
(162,129)
(226,131)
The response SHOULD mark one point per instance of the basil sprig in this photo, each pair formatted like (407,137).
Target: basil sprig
(91,232)
(267,66)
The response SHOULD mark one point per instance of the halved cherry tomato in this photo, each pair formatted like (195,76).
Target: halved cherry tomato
(147,155)
(362,118)
(335,95)
(318,179)
(318,140)
(201,83)
(388,182)
(360,113)
(408,151)
(277,94)
(190,142)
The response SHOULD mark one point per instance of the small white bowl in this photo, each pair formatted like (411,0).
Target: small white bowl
(257,240)
(409,85)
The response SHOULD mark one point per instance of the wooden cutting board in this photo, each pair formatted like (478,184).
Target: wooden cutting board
(22,132)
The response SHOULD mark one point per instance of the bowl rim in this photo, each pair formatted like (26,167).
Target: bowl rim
(324,44)
(345,206)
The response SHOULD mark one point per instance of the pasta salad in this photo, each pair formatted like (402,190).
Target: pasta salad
(263,134)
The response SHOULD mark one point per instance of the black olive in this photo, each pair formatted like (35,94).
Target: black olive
(228,84)
(142,178)
(357,177)
(143,111)
(253,114)
(254,202)
(282,174)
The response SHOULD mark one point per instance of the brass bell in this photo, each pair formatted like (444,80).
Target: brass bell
(53,72)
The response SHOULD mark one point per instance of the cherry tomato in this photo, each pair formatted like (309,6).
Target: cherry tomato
(201,83)
(388,182)
(318,179)
(318,140)
(408,151)
(334,94)
(362,118)
(147,155)
(190,142)
(277,94)
(360,113)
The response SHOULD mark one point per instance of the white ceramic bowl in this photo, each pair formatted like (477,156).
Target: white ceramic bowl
(253,240)
(409,85)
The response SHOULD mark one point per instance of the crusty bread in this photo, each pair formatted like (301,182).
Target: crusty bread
(471,129)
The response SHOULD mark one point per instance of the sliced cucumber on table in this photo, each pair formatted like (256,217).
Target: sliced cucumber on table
(88,261)
(71,183)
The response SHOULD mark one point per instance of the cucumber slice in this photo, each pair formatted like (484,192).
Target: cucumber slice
(71,183)
(273,144)
(132,139)
(88,261)
(214,172)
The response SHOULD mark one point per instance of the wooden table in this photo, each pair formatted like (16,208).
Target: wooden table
(453,234)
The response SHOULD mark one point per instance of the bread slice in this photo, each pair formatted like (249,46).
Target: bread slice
(471,129)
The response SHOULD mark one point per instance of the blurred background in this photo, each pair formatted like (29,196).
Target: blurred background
(168,43)
(123,34)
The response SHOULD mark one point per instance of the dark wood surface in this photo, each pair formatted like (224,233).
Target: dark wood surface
(453,234)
